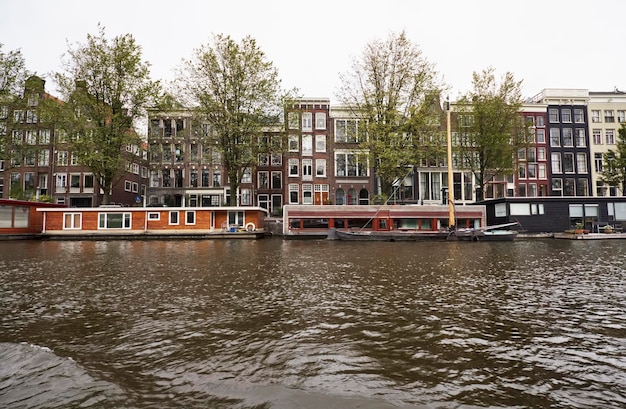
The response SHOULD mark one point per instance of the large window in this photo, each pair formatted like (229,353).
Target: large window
(114,220)
(351,164)
(347,130)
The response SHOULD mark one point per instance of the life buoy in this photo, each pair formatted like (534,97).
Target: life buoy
(250,227)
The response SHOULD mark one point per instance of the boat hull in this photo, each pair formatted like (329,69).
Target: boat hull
(392,235)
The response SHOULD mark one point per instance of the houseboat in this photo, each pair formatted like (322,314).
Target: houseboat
(19,219)
(153,222)
(384,222)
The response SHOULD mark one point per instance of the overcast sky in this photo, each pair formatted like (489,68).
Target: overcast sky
(545,43)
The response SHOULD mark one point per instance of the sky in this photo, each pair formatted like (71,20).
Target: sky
(544,43)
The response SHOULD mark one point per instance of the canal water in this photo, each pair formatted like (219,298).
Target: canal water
(273,324)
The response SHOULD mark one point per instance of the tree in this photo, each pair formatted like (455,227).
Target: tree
(490,127)
(237,91)
(13,75)
(106,87)
(393,88)
(614,166)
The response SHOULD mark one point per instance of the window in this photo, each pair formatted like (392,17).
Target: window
(532,155)
(307,121)
(532,171)
(217,178)
(522,172)
(542,174)
(293,167)
(320,120)
(568,162)
(247,176)
(597,136)
(307,194)
(293,193)
(263,181)
(43,157)
(114,220)
(61,180)
(621,116)
(581,162)
(277,159)
(556,162)
(173,217)
(541,153)
(521,154)
(580,137)
(245,195)
(135,168)
(307,145)
(154,216)
(127,185)
(555,137)
(72,221)
(347,130)
(31,137)
(193,178)
(553,115)
(44,136)
(595,115)
(609,136)
(557,186)
(293,143)
(568,137)
(541,135)
(609,116)
(190,217)
(88,181)
(540,121)
(320,168)
(277,180)
(307,169)
(597,159)
(320,143)
(566,115)
(292,120)
(62,158)
(205,178)
(75,181)
(579,116)
(135,188)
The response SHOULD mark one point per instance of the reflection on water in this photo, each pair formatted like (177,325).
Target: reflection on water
(312,324)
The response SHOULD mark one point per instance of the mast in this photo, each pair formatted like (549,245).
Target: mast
(451,221)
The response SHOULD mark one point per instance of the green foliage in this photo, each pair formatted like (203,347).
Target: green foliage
(106,87)
(394,89)
(237,91)
(489,126)
(614,163)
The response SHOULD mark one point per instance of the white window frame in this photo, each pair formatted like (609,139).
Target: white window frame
(173,218)
(307,121)
(103,221)
(320,120)
(320,164)
(294,167)
(188,214)
(75,219)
